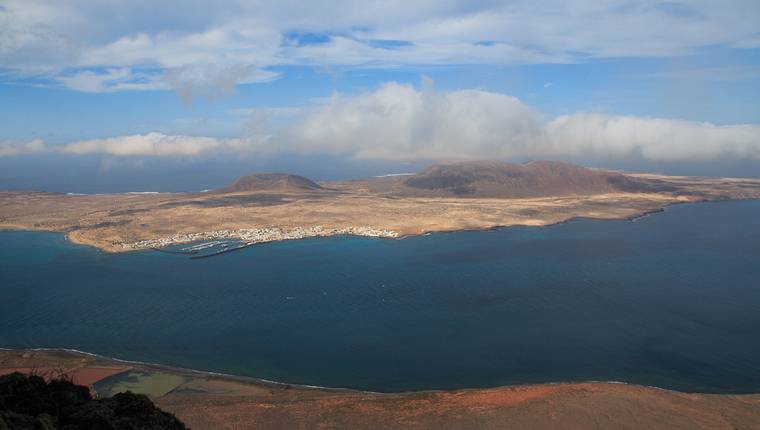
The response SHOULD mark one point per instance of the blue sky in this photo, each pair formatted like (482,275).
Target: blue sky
(118,90)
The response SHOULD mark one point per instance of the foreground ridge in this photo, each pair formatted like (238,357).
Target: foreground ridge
(212,401)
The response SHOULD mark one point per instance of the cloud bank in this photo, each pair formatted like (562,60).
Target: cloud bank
(186,45)
(401,122)
(9,147)
(651,138)
(151,144)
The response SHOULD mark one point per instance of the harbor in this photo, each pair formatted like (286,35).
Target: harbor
(224,241)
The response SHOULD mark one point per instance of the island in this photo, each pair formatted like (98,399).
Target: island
(448,197)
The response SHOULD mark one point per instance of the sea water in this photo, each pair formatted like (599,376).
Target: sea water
(669,300)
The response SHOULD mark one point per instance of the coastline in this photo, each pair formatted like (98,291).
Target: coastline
(207,400)
(255,236)
(126,222)
(263,235)
(268,382)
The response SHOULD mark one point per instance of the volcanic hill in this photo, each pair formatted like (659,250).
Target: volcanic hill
(281,182)
(497,179)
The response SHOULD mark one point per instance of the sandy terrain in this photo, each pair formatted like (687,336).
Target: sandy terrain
(115,221)
(205,401)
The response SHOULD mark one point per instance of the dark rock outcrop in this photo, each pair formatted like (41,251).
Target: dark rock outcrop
(29,402)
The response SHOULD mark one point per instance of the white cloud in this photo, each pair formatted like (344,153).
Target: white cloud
(9,147)
(151,144)
(110,80)
(194,47)
(212,80)
(400,122)
(650,138)
(717,73)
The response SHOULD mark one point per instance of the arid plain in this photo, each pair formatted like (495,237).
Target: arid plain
(467,196)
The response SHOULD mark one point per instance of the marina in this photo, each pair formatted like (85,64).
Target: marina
(253,236)
(223,250)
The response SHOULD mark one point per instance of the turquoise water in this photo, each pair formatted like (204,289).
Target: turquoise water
(670,300)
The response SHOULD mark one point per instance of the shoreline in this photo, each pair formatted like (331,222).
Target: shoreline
(390,234)
(250,237)
(204,400)
(125,222)
(268,382)
(186,371)
(300,233)
(278,234)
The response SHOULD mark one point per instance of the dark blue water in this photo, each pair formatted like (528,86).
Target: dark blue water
(671,300)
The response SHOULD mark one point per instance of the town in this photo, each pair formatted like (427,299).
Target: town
(260,235)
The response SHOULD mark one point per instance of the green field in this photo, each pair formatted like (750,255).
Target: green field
(153,384)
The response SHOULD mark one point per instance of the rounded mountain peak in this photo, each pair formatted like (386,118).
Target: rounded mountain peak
(271,182)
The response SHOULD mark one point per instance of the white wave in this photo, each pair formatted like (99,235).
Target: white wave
(269,381)
(389,175)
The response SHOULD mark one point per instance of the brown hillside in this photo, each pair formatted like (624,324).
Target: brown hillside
(507,180)
(281,182)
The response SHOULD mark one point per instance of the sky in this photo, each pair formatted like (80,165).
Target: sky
(113,96)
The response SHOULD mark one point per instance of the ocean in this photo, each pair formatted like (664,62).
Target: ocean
(669,300)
